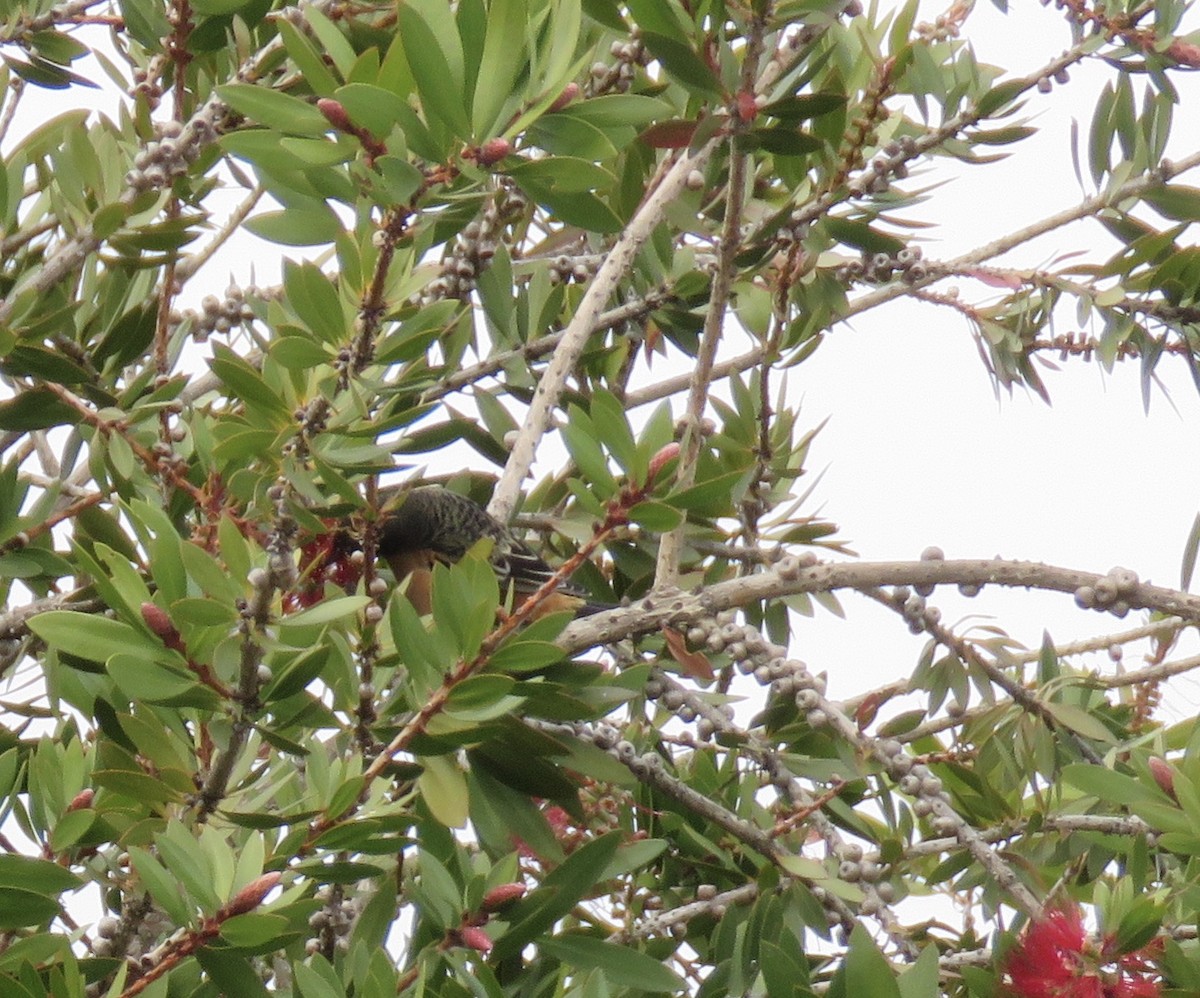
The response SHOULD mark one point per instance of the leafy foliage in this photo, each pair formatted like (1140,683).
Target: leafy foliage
(514,221)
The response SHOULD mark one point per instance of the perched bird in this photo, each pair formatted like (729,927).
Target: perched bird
(432,524)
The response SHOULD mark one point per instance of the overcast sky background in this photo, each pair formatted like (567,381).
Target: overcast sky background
(918,450)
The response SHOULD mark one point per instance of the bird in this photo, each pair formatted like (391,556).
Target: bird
(432,525)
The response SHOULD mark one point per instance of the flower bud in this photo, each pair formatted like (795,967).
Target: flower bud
(502,896)
(251,896)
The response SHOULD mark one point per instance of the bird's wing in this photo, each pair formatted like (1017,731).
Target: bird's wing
(517,565)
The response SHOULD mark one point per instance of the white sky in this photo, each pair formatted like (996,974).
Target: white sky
(918,451)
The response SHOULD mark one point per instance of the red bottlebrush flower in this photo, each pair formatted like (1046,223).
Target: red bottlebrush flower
(1046,961)
(1055,959)
(329,558)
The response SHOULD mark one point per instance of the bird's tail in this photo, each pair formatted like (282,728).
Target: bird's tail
(590,607)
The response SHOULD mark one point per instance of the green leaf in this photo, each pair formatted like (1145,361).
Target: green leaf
(310,224)
(145,22)
(683,63)
(161,885)
(219,8)
(42,73)
(245,382)
(566,135)
(479,692)
(373,108)
(443,788)
(622,965)
(333,42)
(253,929)
(867,971)
(1190,548)
(19,908)
(712,498)
(1078,719)
(581,439)
(312,984)
(70,828)
(1113,788)
(209,574)
(627,110)
(780,141)
(274,109)
(519,655)
(307,59)
(1003,136)
(231,973)
(155,682)
(999,96)
(297,674)
(1175,202)
(49,365)
(608,416)
(806,869)
(177,852)
(141,787)
(565,887)
(402,179)
(659,18)
(96,638)
(37,875)
(564,174)
(432,59)
(861,236)
(326,612)
(634,856)
(803,106)
(782,974)
(921,979)
(36,409)
(656,516)
(504,57)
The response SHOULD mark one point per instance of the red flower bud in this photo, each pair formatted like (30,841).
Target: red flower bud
(251,896)
(570,92)
(82,800)
(500,897)
(475,938)
(1184,53)
(155,617)
(665,454)
(558,818)
(492,151)
(747,109)
(336,115)
(1163,775)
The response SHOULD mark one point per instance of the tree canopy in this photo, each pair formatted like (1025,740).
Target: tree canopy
(561,257)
